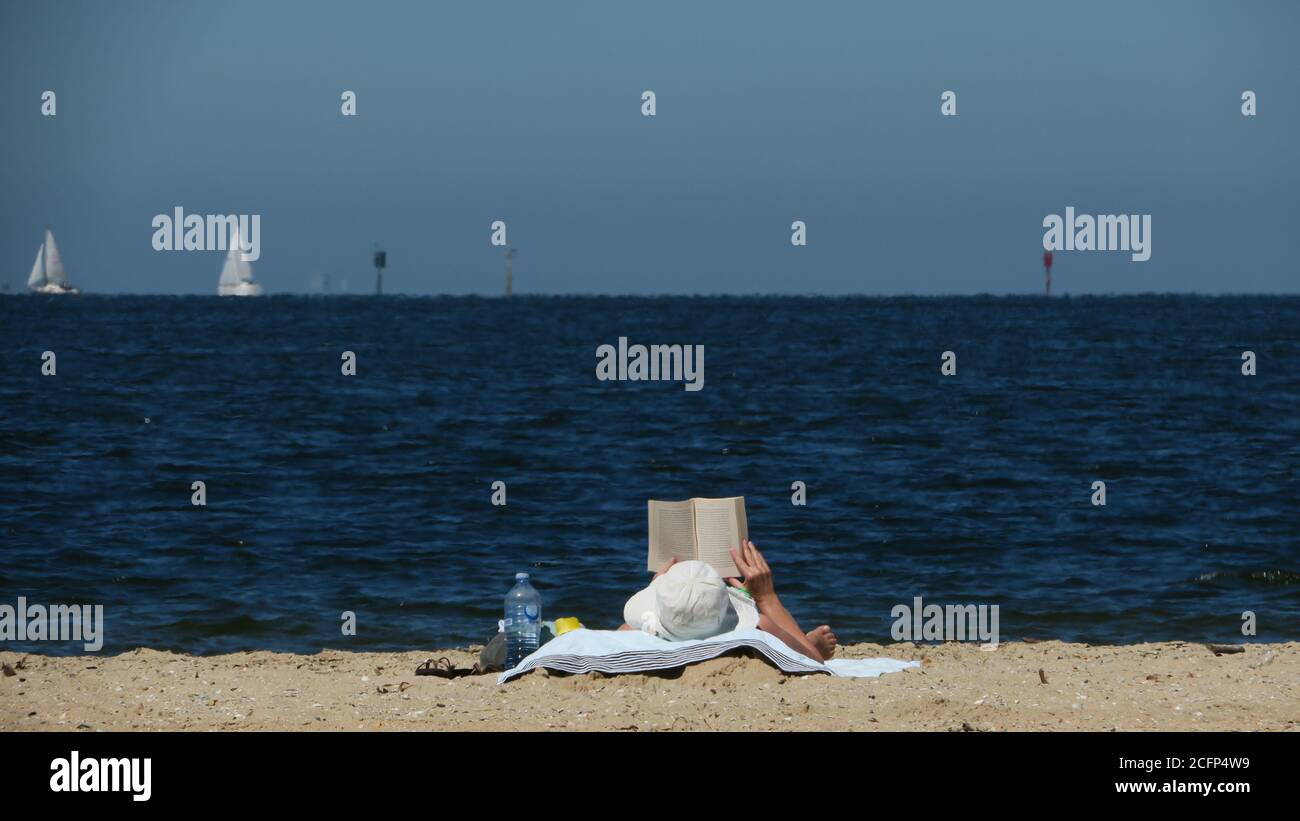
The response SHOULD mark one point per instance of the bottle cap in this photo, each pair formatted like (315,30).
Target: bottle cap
(521,577)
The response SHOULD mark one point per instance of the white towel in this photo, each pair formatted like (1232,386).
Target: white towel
(632,651)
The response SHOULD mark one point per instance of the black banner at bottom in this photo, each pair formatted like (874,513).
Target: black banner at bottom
(477,772)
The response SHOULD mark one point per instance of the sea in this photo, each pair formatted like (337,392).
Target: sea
(372,494)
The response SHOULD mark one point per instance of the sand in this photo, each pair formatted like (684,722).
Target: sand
(960,687)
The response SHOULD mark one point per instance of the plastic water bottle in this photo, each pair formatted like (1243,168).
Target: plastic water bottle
(523,621)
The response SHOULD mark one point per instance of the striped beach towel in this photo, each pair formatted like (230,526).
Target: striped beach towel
(632,651)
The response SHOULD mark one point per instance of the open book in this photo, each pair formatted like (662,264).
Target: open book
(703,529)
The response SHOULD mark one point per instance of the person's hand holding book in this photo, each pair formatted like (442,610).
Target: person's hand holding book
(757,575)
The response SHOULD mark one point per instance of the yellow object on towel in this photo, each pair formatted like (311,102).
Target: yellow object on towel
(566,624)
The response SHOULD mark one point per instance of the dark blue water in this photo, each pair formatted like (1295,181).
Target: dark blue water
(372,493)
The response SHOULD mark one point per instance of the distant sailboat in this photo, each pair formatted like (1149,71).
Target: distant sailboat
(48,276)
(237,274)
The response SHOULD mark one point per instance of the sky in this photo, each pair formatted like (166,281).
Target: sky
(766,113)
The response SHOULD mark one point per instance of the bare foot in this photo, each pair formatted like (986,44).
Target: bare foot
(824,640)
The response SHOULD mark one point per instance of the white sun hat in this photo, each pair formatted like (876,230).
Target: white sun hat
(690,601)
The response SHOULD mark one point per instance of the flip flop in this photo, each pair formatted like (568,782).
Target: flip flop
(442,668)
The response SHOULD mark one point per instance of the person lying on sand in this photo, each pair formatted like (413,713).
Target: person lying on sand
(690,600)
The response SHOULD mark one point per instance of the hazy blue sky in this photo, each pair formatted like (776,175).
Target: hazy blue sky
(767,112)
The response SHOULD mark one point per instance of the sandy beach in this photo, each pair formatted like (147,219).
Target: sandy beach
(959,687)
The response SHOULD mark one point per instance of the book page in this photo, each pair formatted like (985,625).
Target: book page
(672,532)
(719,526)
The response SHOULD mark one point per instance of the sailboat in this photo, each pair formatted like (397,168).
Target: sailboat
(236,273)
(48,276)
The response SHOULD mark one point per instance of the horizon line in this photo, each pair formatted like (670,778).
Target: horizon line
(697,295)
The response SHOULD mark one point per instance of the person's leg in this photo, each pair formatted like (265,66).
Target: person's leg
(824,639)
(772,607)
(795,641)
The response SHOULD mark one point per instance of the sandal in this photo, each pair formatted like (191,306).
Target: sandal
(442,668)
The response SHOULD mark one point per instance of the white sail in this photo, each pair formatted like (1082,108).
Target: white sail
(236,273)
(37,278)
(53,262)
(234,270)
